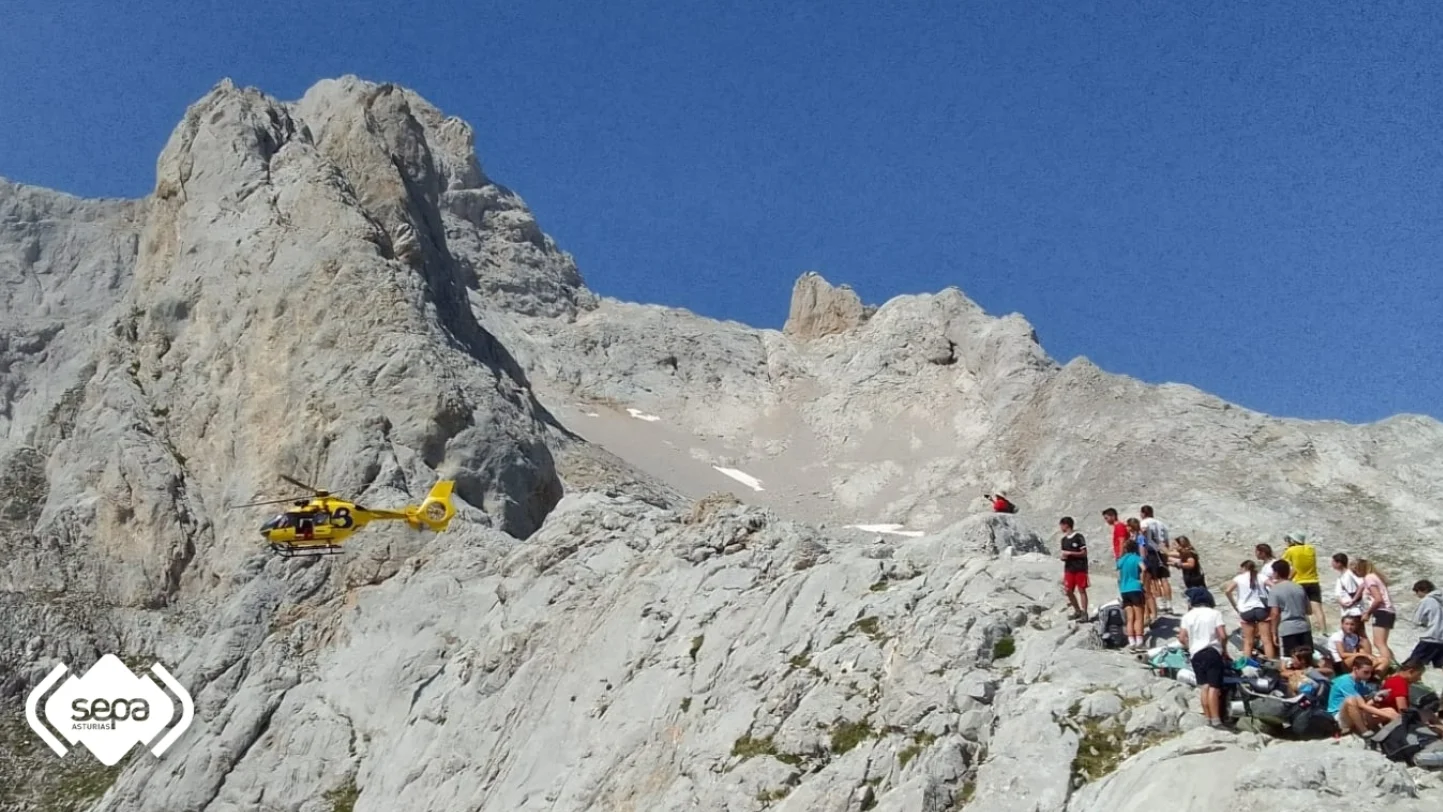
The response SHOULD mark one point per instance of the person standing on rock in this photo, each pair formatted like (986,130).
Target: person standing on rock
(1119,531)
(1074,568)
(1377,607)
(1148,555)
(1264,554)
(1160,547)
(1349,589)
(1129,584)
(1429,616)
(1301,556)
(1185,557)
(1249,598)
(1202,631)
(1289,609)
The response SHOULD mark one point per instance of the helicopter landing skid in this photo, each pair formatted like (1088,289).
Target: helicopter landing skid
(307,551)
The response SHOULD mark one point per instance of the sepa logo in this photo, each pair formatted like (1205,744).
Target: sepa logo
(109,710)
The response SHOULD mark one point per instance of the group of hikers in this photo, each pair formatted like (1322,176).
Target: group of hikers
(1280,606)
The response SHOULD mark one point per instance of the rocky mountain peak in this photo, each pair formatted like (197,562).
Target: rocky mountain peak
(818,309)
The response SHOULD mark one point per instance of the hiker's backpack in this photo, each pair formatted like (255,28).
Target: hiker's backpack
(1007,506)
(1403,738)
(1422,697)
(1112,625)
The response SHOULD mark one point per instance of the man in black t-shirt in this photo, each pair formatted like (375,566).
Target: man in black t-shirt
(1074,568)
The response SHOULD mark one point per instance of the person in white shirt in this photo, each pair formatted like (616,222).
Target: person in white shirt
(1248,595)
(1201,629)
(1349,588)
(1348,642)
(1264,552)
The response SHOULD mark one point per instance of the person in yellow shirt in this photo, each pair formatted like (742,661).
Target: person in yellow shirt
(1303,559)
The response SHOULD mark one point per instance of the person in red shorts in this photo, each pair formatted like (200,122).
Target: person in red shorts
(1074,568)
(1119,531)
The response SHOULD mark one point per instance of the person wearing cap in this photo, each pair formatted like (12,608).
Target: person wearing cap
(1000,502)
(1202,631)
(1303,559)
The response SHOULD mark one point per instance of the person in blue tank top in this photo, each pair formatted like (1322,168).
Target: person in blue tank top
(1129,583)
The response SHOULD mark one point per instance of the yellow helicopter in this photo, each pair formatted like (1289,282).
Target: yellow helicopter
(319,524)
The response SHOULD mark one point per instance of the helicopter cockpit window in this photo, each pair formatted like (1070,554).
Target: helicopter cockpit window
(278,521)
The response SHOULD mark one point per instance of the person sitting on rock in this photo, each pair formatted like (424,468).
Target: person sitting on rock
(1348,643)
(1399,686)
(1000,503)
(1296,673)
(1351,701)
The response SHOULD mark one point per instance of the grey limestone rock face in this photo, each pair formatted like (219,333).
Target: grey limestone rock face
(911,415)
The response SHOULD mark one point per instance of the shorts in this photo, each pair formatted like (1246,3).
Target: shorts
(1207,667)
(1313,591)
(1074,580)
(1132,599)
(1160,572)
(1293,642)
(1383,619)
(1428,653)
(1254,615)
(1338,717)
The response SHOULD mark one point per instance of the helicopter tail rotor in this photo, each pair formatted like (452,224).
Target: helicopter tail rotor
(436,511)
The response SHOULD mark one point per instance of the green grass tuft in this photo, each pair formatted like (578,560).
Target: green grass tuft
(847,735)
(747,747)
(344,797)
(1004,648)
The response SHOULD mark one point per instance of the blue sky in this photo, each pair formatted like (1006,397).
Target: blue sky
(1246,197)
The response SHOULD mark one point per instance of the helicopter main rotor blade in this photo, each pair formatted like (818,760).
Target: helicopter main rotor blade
(302,485)
(268,502)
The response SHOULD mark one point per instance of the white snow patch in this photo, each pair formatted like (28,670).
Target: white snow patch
(894,529)
(742,477)
(640,415)
(592,414)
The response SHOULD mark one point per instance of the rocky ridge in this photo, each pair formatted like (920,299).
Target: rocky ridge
(334,288)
